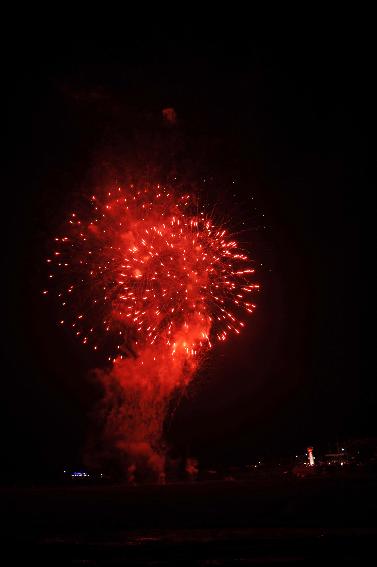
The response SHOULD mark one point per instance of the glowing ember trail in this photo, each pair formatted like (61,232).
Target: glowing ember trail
(146,279)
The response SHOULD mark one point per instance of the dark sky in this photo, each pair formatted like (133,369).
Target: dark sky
(290,125)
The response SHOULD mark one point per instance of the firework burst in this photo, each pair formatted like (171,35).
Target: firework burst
(145,267)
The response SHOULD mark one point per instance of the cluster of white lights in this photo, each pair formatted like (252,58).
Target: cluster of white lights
(74,474)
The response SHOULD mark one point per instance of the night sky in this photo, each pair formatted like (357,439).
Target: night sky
(289,126)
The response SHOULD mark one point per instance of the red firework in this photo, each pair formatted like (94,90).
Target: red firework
(144,267)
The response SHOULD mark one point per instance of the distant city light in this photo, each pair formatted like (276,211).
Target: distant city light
(310,455)
(79,474)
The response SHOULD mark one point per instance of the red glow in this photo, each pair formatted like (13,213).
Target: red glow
(150,281)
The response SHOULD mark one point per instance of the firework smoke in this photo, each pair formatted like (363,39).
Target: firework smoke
(148,280)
